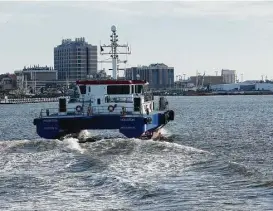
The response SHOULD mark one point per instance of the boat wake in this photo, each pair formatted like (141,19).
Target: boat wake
(93,136)
(73,144)
(119,169)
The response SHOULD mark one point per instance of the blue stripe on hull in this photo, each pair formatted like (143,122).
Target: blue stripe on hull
(53,127)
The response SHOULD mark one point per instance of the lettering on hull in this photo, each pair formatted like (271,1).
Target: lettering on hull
(126,128)
(49,120)
(51,128)
(127,119)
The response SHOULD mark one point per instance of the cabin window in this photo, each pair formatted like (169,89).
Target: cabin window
(83,90)
(89,89)
(139,88)
(115,90)
(133,89)
(98,101)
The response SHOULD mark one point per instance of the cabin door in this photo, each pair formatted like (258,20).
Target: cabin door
(137,104)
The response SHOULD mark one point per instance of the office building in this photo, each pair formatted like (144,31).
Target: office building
(158,75)
(75,60)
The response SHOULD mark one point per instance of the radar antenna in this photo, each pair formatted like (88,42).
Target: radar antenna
(114,51)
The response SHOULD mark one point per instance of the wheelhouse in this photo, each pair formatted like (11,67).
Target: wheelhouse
(106,94)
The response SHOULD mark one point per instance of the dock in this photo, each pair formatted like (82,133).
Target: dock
(28,100)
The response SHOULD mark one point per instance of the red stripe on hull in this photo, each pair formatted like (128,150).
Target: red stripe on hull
(110,82)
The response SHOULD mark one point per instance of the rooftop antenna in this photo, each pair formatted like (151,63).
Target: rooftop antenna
(114,51)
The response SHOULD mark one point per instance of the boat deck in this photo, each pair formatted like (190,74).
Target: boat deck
(72,113)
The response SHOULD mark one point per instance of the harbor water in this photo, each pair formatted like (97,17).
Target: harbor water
(219,156)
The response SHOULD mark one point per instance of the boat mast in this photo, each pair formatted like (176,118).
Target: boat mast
(114,52)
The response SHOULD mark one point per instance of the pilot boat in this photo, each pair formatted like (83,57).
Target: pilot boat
(123,105)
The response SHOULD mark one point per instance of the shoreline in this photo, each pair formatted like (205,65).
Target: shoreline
(212,94)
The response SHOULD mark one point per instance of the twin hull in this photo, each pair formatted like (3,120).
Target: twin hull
(55,127)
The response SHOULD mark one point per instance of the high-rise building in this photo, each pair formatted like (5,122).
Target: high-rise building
(228,76)
(75,60)
(158,75)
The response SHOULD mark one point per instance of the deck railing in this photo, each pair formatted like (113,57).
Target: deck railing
(87,109)
(94,110)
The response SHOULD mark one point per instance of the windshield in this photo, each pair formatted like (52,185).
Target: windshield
(139,89)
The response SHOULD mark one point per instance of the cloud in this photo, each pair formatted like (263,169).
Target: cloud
(31,12)
(5,17)
(24,18)
(240,10)
(23,13)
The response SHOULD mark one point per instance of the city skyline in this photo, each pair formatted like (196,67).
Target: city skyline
(188,36)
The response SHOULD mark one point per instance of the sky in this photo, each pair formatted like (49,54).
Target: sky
(187,35)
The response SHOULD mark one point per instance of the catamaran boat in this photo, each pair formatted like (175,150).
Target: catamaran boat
(123,105)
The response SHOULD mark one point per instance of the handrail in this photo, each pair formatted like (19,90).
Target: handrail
(105,109)
(120,99)
(102,109)
(55,111)
(98,109)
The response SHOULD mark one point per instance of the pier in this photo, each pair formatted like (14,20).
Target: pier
(6,100)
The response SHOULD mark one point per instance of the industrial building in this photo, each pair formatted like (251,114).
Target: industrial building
(206,80)
(229,76)
(75,60)
(158,75)
(243,86)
